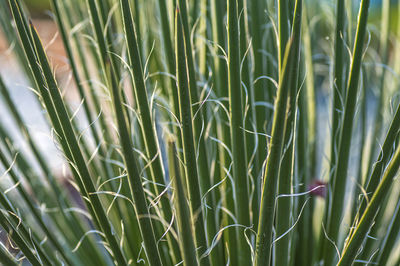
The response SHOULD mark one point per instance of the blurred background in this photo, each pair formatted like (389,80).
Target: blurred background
(21,92)
(37,6)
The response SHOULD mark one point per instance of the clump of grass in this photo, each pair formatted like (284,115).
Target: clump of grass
(200,144)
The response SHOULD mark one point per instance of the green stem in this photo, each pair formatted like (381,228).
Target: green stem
(134,179)
(286,174)
(186,121)
(268,196)
(339,180)
(199,136)
(6,258)
(34,209)
(388,244)
(240,176)
(186,241)
(74,147)
(351,249)
(19,241)
(148,128)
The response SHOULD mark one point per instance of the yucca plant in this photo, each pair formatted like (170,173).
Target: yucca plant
(203,135)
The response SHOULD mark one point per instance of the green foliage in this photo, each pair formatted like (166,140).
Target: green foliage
(203,137)
(38,6)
